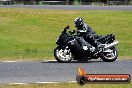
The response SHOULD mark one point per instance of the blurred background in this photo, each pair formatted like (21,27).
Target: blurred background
(66,2)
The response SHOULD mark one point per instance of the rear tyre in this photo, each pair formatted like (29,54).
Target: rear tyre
(110,56)
(63,55)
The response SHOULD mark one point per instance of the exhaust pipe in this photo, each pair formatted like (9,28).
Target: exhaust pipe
(111,45)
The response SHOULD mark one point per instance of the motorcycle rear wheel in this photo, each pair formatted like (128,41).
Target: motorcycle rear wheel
(110,57)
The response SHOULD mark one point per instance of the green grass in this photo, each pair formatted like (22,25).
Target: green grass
(30,34)
(68,85)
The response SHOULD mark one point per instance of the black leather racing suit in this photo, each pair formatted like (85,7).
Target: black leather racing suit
(88,34)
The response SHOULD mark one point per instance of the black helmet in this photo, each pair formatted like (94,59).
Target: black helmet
(78,22)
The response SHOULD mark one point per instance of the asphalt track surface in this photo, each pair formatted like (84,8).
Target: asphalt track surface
(70,7)
(52,71)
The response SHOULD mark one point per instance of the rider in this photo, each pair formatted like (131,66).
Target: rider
(84,30)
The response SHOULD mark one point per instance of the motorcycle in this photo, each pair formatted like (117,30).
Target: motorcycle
(69,48)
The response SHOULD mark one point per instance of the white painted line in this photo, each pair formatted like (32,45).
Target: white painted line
(50,60)
(43,61)
(26,61)
(72,81)
(56,82)
(41,83)
(18,83)
(46,82)
(9,61)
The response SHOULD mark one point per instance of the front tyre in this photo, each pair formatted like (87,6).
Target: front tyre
(63,55)
(110,55)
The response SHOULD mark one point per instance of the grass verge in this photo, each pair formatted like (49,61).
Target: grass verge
(30,34)
(68,85)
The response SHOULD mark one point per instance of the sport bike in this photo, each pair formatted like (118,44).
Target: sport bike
(69,48)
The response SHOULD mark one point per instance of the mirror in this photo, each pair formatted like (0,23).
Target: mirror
(67,27)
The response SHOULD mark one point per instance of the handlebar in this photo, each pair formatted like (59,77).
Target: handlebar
(72,32)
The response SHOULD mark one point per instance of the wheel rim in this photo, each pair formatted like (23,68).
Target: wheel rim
(64,55)
(111,54)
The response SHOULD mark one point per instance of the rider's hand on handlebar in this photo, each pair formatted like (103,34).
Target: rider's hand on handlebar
(72,32)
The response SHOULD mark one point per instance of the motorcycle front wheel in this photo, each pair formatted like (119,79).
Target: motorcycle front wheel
(110,56)
(63,55)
